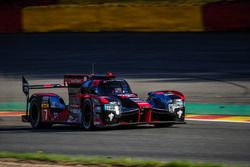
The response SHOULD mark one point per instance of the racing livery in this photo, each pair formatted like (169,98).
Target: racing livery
(101,101)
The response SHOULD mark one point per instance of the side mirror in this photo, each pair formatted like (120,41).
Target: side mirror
(149,93)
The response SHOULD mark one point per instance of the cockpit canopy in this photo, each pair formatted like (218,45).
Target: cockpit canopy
(106,87)
(111,87)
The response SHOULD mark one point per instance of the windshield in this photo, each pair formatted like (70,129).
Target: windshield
(113,87)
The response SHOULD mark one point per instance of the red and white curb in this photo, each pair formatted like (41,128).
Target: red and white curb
(219,118)
(11,113)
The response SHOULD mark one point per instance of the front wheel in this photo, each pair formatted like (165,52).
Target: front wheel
(87,115)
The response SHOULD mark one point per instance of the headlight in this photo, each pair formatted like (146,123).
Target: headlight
(177,103)
(113,107)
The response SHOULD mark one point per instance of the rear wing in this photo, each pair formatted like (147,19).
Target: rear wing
(68,80)
(27,87)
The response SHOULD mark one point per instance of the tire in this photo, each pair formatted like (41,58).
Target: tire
(87,115)
(35,116)
(164,125)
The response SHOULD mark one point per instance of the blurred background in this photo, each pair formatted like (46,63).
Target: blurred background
(198,47)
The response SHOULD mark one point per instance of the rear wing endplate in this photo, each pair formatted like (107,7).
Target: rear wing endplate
(25,87)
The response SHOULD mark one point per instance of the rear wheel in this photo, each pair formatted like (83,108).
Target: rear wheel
(35,116)
(164,125)
(87,115)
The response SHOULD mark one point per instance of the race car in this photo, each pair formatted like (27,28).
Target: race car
(97,101)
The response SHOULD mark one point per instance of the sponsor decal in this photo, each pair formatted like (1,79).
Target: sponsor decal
(137,100)
(74,106)
(111,116)
(76,81)
(25,87)
(112,106)
(179,113)
(75,111)
(46,114)
(55,115)
(167,94)
(97,109)
(72,119)
(44,105)
(45,98)
(127,95)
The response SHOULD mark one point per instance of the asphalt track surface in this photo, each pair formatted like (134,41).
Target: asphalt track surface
(207,67)
(196,141)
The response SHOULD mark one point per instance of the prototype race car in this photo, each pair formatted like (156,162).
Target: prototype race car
(101,101)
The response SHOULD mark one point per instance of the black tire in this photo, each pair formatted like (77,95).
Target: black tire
(35,116)
(87,121)
(164,125)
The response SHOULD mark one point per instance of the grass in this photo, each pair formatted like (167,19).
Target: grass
(100,161)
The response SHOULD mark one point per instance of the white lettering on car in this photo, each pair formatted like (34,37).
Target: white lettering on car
(111,116)
(179,113)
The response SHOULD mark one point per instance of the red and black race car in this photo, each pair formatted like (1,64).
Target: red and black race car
(101,101)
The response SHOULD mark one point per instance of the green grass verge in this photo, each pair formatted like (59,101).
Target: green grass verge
(12,106)
(81,160)
(218,109)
